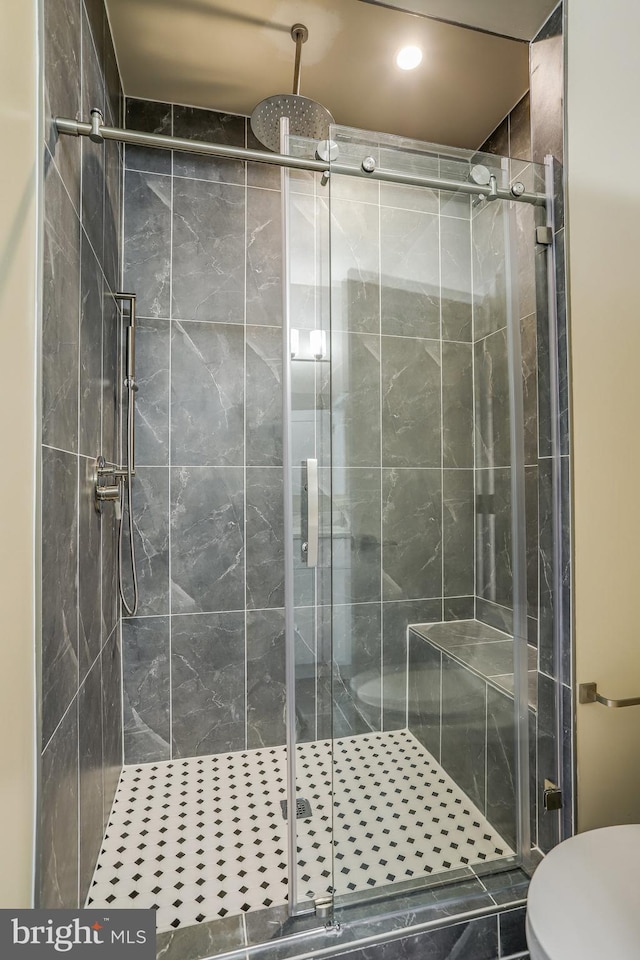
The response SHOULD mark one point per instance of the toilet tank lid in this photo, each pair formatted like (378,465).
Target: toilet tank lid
(583,901)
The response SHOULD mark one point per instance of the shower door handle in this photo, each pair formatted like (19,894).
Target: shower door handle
(310,546)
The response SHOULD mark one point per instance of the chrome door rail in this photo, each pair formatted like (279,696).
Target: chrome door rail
(99,131)
(588,693)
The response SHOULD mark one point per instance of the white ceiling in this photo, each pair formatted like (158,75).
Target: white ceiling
(230,54)
(511,18)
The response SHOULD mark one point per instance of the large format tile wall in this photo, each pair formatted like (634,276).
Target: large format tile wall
(204,659)
(534,130)
(80,660)
(402,408)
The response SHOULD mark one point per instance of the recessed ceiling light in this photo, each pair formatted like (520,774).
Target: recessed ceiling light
(409,58)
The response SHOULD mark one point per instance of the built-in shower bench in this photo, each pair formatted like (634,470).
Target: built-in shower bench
(461,708)
(483,650)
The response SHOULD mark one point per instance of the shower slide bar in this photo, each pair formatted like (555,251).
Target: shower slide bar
(97,131)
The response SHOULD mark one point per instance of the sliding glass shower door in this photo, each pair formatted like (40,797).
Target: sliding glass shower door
(412,313)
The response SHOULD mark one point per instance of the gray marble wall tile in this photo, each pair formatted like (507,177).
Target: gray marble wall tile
(207,546)
(58,836)
(410,268)
(501,765)
(60,317)
(357,545)
(147,241)
(152,398)
(266,692)
(151,532)
(498,142)
(264,397)
(405,197)
(91,306)
(303,222)
(459,608)
(547,85)
(520,130)
(147,673)
(532,535)
(91,802)
(495,615)
(548,760)
(196,124)
(62,81)
(411,410)
(458,515)
(355,275)
(208,683)
(264,257)
(357,645)
(477,939)
(457,405)
(93,154)
(111,379)
(425,674)
(111,718)
(150,117)
(265,174)
(59,586)
(493,447)
(355,402)
(207,394)
(95,13)
(456,291)
(542,339)
(112,241)
(265,538)
(463,729)
(512,932)
(489,277)
(208,251)
(563,355)
(396,617)
(89,570)
(412,534)
(202,939)
(545,567)
(528,339)
(525,231)
(493,533)
(113,86)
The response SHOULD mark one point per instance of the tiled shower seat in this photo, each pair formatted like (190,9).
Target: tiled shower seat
(462,710)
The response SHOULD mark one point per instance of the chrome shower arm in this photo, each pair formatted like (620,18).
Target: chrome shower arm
(300,34)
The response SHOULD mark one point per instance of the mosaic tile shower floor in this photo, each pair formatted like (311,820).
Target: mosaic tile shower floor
(205,837)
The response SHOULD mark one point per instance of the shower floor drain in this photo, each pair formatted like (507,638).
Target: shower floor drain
(303,809)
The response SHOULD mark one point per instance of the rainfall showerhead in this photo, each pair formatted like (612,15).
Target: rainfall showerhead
(306,117)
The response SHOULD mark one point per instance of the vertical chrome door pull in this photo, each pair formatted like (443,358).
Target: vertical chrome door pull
(310,547)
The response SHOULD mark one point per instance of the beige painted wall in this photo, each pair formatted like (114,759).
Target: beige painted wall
(603,149)
(18,285)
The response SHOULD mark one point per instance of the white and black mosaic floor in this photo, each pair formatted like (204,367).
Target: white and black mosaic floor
(204,838)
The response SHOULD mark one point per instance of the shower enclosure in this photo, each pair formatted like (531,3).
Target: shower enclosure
(330,681)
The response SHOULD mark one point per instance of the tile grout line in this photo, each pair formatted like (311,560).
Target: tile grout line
(169,449)
(244,450)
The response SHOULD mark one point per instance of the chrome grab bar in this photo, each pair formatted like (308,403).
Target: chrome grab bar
(588,693)
(310,546)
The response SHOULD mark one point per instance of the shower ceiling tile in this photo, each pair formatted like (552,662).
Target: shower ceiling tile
(230,54)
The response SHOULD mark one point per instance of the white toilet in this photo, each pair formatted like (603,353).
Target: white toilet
(584,898)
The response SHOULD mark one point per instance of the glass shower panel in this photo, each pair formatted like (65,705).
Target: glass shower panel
(306,213)
(429,738)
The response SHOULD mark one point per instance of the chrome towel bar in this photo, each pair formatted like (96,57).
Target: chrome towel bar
(588,693)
